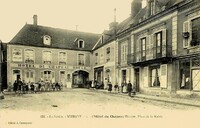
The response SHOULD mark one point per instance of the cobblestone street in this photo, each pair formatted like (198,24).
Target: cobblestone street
(78,105)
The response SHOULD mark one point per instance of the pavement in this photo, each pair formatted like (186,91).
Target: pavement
(192,101)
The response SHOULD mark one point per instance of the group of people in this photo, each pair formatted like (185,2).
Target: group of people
(125,88)
(22,87)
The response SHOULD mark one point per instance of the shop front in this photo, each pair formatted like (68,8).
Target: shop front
(189,75)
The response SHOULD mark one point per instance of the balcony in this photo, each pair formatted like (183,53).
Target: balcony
(155,53)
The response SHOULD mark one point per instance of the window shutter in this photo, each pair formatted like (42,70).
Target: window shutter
(163,76)
(186,29)
(42,75)
(122,52)
(127,75)
(132,44)
(126,51)
(120,77)
(138,51)
(147,48)
(111,53)
(151,39)
(139,55)
(146,73)
(164,42)
(53,77)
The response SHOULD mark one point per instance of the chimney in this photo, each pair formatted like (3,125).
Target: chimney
(136,6)
(113,25)
(35,20)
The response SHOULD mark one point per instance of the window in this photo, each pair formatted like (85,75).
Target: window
(47,40)
(17,55)
(155,77)
(81,61)
(62,58)
(47,57)
(195,32)
(158,42)
(191,33)
(124,52)
(29,56)
(143,43)
(102,55)
(108,54)
(48,76)
(29,76)
(80,44)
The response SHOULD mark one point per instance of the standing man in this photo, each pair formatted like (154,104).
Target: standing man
(129,88)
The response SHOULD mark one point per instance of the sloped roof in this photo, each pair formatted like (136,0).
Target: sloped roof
(109,35)
(132,21)
(31,35)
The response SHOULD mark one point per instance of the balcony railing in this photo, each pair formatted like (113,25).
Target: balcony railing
(150,54)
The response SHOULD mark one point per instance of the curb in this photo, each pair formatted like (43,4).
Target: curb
(154,99)
(167,101)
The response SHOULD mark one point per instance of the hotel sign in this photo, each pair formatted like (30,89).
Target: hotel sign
(42,66)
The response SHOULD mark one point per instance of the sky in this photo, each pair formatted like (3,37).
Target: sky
(89,15)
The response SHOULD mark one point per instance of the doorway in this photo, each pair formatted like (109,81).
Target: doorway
(80,79)
(16,75)
(137,79)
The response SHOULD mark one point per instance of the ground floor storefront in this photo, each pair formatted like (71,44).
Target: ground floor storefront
(68,76)
(188,75)
(103,75)
(153,78)
(179,77)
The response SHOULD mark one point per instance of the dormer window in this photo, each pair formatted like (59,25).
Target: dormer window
(80,44)
(47,40)
(152,7)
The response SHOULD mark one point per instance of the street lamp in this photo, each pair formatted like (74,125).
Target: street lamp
(1,61)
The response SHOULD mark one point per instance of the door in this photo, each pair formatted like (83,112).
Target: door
(16,75)
(196,79)
(137,79)
(62,78)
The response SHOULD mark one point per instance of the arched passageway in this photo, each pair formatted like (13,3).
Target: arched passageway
(80,79)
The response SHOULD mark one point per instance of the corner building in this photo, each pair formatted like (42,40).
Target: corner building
(50,54)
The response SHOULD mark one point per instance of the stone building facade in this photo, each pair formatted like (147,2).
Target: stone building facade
(156,48)
(49,54)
